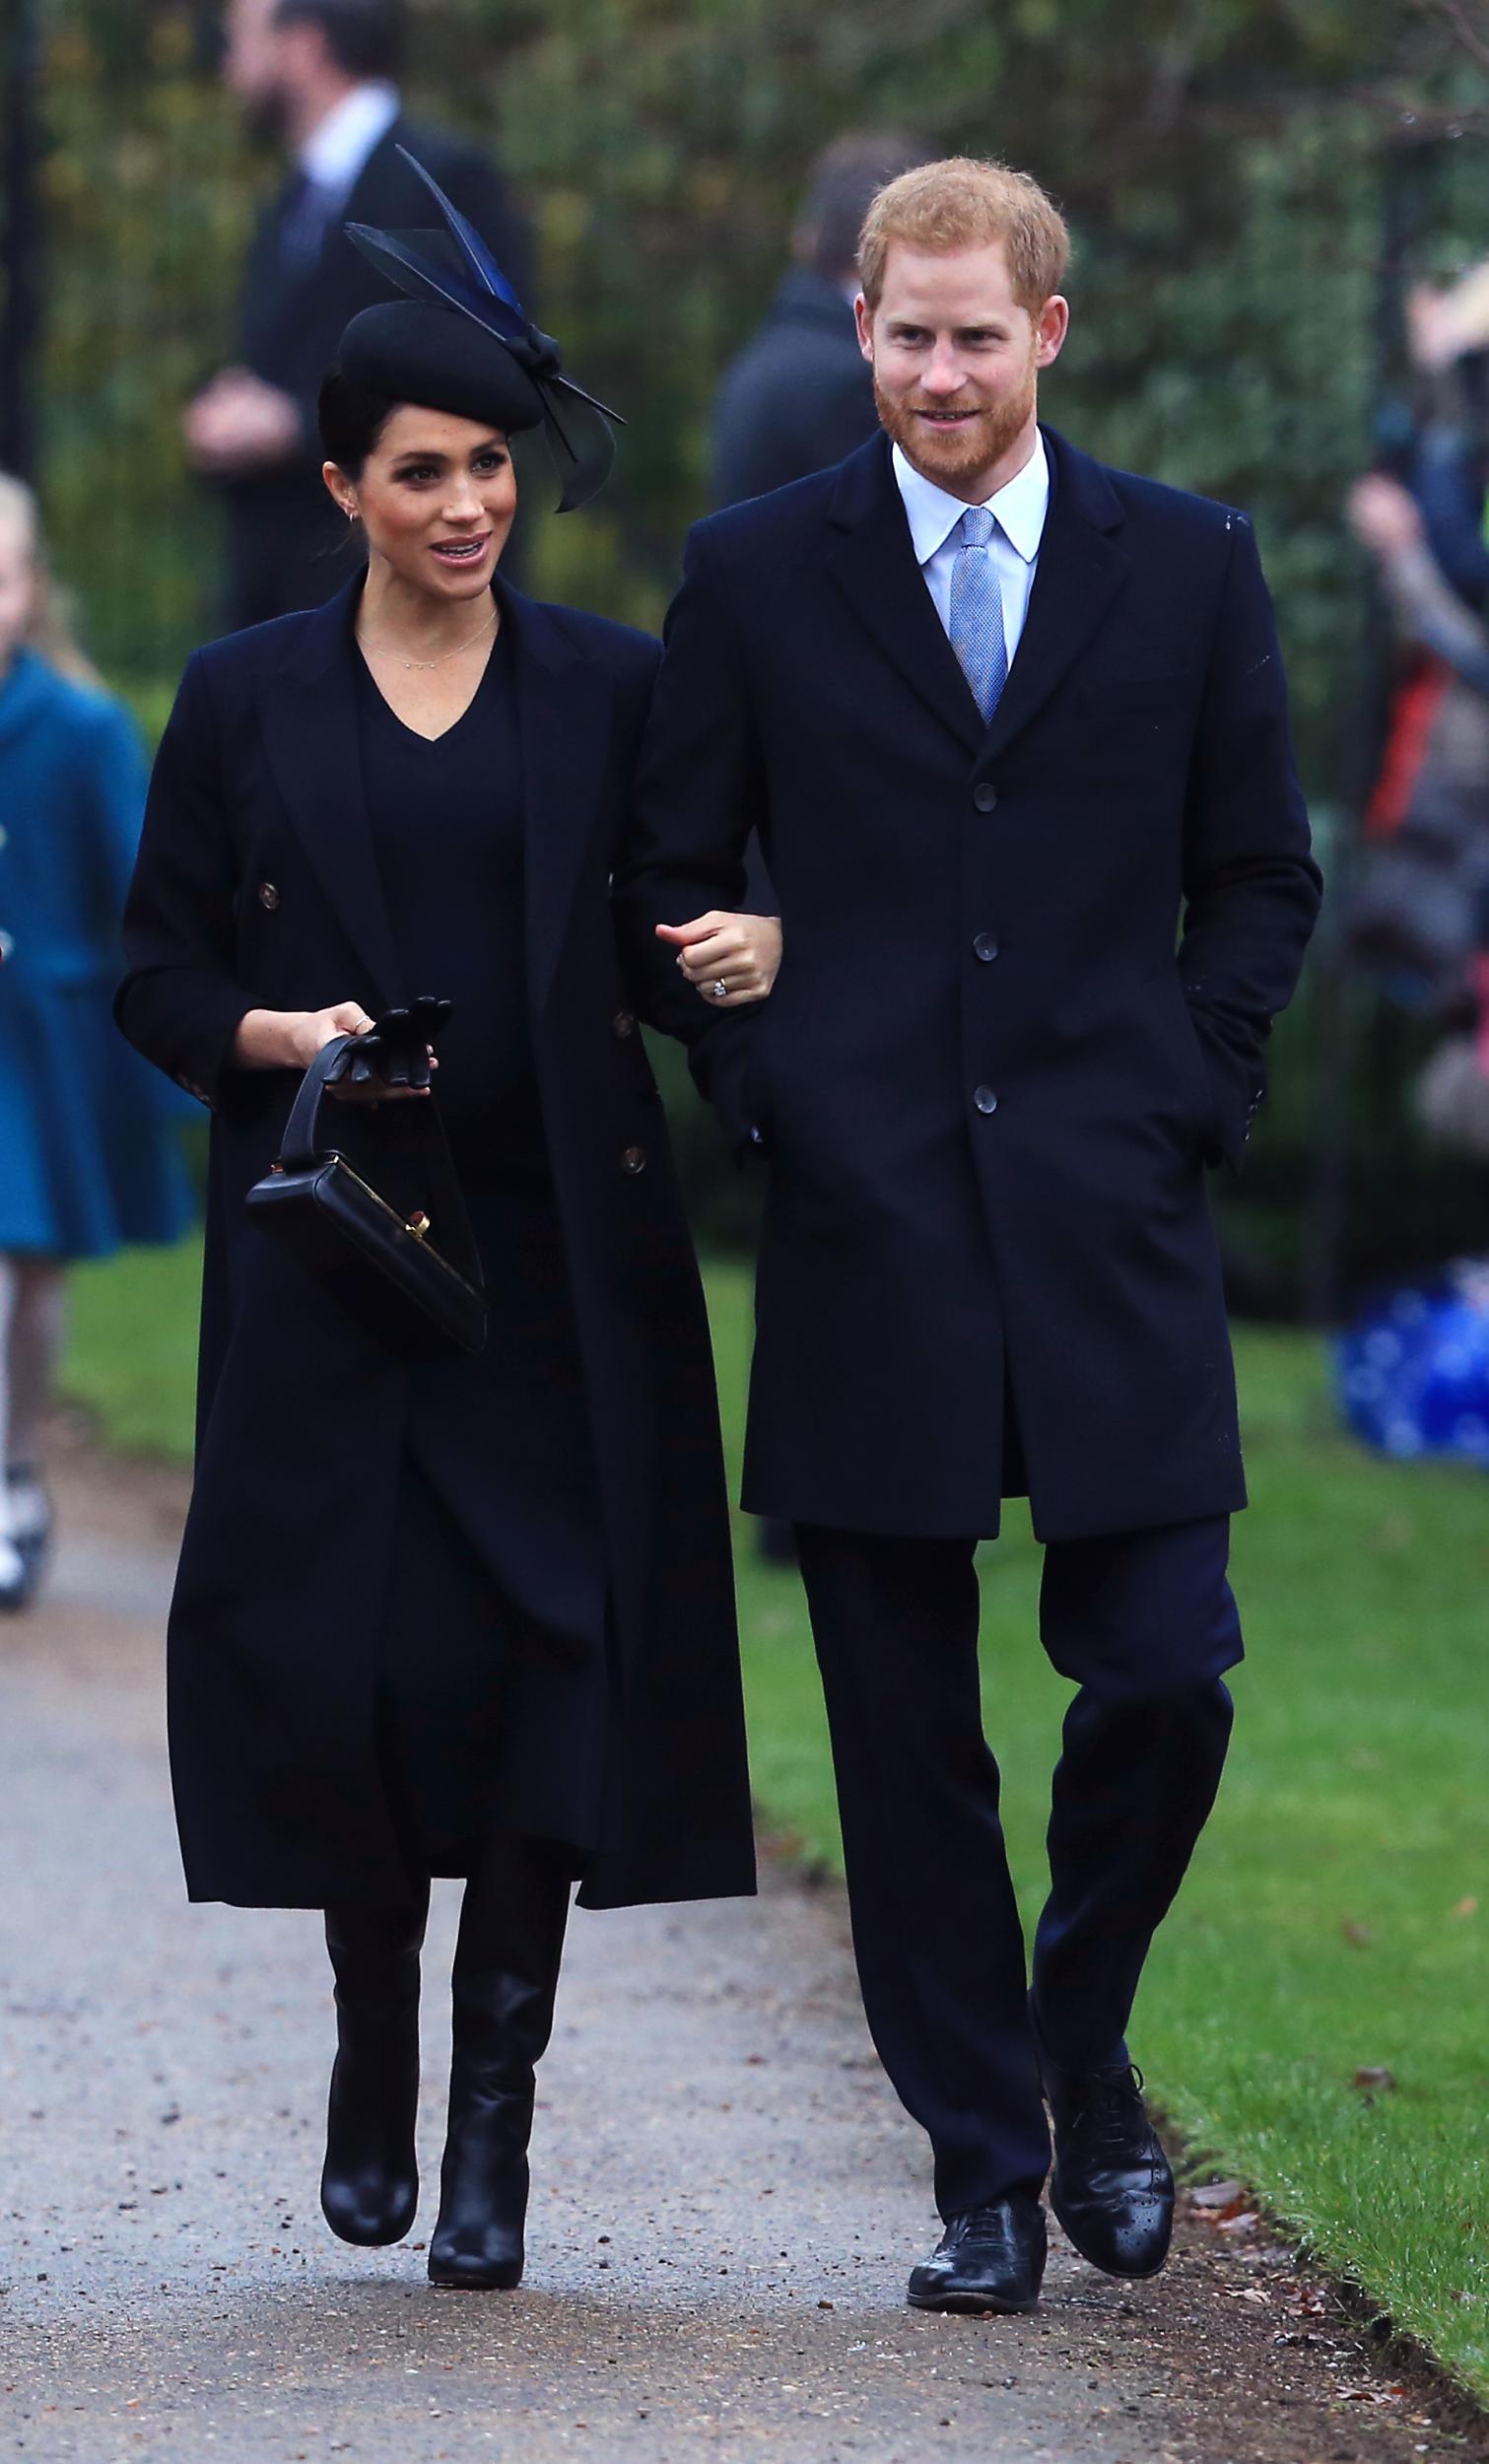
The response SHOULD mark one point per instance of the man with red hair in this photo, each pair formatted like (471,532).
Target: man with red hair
(1010,725)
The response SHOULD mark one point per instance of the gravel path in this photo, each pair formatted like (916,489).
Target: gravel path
(727,2199)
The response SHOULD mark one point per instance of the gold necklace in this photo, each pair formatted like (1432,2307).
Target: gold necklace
(444,655)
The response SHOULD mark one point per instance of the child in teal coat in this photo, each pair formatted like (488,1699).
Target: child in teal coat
(89,1160)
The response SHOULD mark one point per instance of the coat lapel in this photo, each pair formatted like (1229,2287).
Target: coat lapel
(309,731)
(308,722)
(874,566)
(564,709)
(1081,569)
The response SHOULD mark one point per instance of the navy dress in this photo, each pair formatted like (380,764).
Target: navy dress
(494,1691)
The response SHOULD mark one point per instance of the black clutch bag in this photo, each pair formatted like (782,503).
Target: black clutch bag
(412,1279)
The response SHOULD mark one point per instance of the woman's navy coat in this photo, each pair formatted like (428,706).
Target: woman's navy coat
(88,1161)
(258,887)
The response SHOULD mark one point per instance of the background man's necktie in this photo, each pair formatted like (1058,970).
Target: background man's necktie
(977,610)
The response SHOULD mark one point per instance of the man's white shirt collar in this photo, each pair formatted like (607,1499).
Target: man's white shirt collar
(1019,507)
(334,155)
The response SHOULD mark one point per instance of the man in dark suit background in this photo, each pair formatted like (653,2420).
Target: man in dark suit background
(319,76)
(1011,726)
(799,395)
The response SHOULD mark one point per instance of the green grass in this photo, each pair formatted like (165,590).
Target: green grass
(131,1356)
(1328,1922)
(1337,1914)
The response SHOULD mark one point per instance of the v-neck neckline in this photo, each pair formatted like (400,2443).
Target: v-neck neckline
(417,734)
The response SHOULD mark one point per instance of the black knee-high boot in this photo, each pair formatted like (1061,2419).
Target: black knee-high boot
(369,2188)
(505,1973)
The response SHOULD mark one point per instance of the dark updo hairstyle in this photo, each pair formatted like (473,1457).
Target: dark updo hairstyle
(351,418)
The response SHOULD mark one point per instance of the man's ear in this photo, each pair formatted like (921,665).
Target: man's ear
(863,318)
(1050,326)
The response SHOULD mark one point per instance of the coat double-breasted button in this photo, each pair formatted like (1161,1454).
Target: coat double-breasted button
(984,1099)
(268,896)
(986,948)
(634,1161)
(986,796)
(623,1024)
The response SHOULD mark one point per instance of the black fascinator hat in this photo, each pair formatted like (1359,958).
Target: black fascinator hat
(462,341)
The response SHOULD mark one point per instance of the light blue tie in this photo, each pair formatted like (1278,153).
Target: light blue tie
(977,610)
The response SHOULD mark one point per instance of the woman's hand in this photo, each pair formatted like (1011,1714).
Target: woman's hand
(1383,515)
(289,1039)
(730,960)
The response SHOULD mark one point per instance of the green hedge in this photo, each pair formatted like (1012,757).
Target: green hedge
(1232,175)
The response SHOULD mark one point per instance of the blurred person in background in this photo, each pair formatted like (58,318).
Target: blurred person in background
(88,1161)
(318,77)
(799,395)
(1422,917)
(1421,513)
(1448,467)
(1433,462)
(1387,518)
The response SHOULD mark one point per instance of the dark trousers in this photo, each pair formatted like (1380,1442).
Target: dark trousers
(1144,1623)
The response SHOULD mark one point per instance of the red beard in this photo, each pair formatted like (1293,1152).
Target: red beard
(952,460)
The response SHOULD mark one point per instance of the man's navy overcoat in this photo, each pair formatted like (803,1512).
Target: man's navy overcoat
(993,1066)
(257,885)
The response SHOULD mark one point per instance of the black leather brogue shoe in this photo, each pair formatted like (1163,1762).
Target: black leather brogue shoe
(989,2260)
(1111,2187)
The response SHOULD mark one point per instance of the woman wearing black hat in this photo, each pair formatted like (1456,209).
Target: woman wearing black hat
(466,1616)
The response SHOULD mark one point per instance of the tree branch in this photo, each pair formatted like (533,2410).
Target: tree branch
(1454,15)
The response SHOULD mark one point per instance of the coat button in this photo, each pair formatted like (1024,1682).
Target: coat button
(984,947)
(634,1161)
(623,1024)
(984,795)
(268,896)
(985,1100)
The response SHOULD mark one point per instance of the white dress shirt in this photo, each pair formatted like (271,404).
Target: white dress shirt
(334,153)
(1019,509)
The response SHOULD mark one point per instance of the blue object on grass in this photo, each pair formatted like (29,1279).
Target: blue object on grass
(1413,1371)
